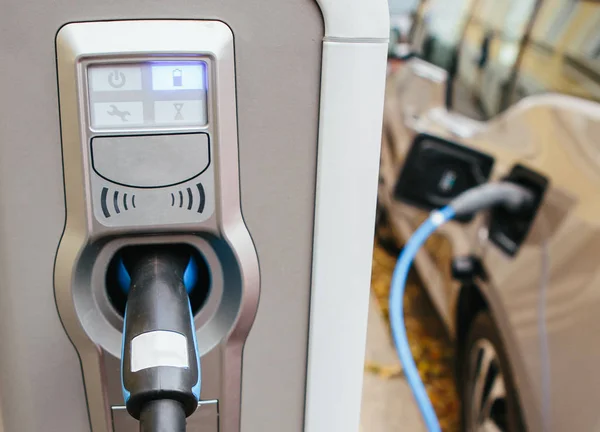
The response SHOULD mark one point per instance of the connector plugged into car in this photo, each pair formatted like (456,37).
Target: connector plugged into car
(437,171)
(508,228)
(513,203)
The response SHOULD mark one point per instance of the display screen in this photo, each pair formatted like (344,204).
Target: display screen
(148,95)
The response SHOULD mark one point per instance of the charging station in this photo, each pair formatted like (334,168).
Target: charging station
(241,136)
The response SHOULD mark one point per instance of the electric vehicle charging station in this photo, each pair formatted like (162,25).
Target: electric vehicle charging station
(246,134)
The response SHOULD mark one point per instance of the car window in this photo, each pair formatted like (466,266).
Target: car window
(517,17)
(417,29)
(563,53)
(401,7)
(488,55)
(439,29)
(553,18)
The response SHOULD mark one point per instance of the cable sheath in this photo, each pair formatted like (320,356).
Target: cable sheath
(400,275)
(162,415)
(511,196)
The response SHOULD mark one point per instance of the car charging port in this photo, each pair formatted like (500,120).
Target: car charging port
(508,229)
(437,170)
(198,290)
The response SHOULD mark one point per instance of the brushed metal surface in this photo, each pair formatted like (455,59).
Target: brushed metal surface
(277,84)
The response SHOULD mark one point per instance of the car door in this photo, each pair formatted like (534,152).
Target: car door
(555,108)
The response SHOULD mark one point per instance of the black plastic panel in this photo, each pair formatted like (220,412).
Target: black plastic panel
(437,170)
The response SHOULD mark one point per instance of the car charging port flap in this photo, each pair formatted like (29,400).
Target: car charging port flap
(508,229)
(437,170)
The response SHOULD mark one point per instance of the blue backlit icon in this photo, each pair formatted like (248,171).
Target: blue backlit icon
(177,78)
(448,180)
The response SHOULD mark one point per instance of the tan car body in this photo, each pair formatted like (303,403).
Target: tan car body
(557,136)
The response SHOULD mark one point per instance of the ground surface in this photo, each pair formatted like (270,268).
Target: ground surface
(388,405)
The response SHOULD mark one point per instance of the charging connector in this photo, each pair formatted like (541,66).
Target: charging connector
(509,228)
(160,362)
(511,197)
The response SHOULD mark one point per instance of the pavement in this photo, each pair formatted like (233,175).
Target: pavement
(387,402)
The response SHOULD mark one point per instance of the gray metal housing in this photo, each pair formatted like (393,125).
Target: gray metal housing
(91,239)
(278,57)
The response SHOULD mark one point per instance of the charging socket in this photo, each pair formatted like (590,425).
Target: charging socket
(507,229)
(437,170)
(198,293)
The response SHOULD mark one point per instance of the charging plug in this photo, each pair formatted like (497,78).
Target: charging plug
(508,228)
(160,363)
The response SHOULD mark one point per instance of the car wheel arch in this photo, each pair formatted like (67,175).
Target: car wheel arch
(471,301)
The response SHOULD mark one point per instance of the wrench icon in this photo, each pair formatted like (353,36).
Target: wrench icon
(116,112)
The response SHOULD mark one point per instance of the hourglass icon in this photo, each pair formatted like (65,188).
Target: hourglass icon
(178,114)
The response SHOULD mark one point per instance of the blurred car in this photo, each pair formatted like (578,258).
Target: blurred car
(518,80)
(402,14)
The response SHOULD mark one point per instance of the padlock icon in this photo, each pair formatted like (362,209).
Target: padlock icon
(177,78)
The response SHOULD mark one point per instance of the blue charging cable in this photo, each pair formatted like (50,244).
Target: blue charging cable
(509,195)
(435,220)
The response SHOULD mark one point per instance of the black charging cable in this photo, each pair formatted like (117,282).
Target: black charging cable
(160,364)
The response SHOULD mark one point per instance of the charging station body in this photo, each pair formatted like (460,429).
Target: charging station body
(233,134)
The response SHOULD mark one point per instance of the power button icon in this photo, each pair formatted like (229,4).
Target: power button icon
(116,79)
